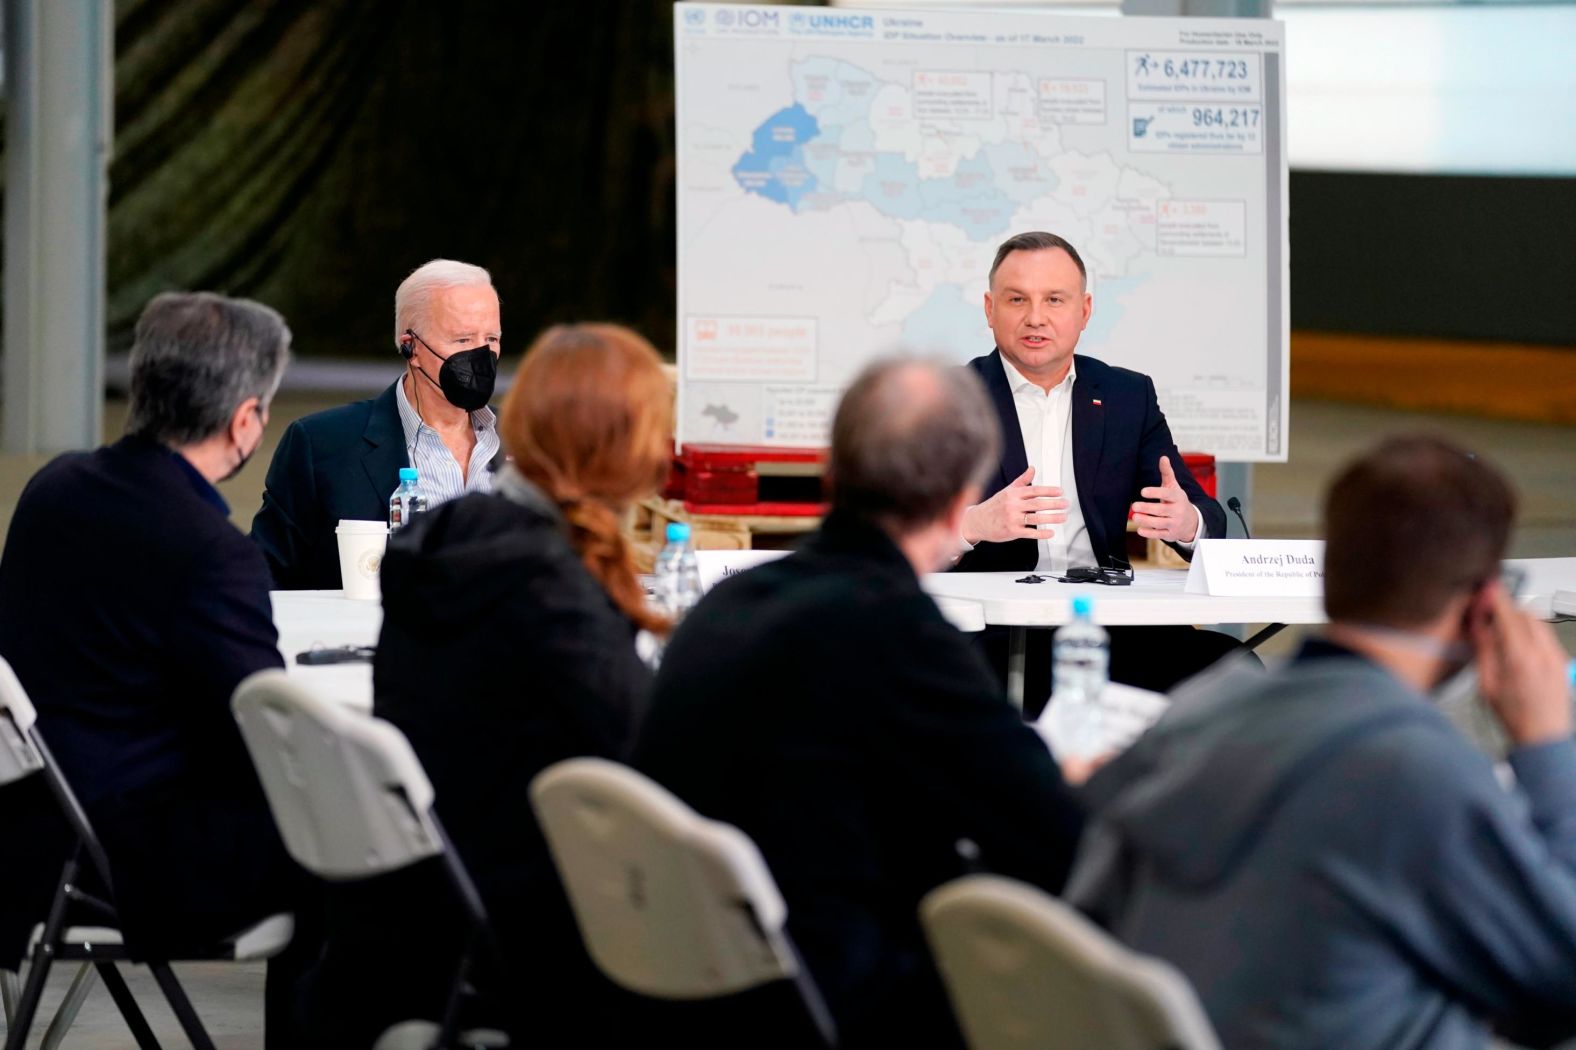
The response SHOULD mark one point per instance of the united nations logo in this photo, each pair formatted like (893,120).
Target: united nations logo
(695,16)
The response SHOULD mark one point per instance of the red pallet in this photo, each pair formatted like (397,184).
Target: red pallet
(1202,465)
(726,479)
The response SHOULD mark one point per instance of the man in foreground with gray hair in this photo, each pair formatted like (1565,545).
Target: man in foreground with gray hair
(130,608)
(824,705)
(344,463)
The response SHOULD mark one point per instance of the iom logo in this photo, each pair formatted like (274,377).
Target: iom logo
(748,18)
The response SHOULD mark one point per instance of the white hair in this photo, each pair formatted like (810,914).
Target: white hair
(415,292)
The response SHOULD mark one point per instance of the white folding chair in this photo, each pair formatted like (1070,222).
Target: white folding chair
(351,801)
(670,905)
(1025,970)
(98,946)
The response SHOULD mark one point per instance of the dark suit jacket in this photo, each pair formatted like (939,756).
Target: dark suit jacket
(1117,447)
(823,705)
(340,463)
(131,608)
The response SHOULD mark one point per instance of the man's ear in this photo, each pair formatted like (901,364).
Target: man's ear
(1480,603)
(241,417)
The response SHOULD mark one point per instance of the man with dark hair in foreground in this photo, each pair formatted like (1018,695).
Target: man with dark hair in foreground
(130,608)
(1325,857)
(822,704)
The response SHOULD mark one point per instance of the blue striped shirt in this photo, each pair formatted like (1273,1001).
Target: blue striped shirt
(436,467)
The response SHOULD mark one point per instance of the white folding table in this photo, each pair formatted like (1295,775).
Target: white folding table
(1156,597)
(326,620)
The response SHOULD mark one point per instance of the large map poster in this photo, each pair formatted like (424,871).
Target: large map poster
(845,178)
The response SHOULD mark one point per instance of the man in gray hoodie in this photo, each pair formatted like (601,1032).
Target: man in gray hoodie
(1317,848)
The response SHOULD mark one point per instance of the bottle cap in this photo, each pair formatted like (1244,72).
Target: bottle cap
(407,473)
(1082,605)
(678,532)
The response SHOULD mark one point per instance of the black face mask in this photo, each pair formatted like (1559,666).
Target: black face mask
(467,376)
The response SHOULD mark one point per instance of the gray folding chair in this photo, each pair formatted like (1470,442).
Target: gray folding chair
(1024,970)
(351,801)
(670,905)
(99,945)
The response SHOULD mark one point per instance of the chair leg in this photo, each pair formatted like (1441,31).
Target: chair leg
(126,1003)
(449,1030)
(10,988)
(70,1006)
(32,992)
(191,1024)
(810,995)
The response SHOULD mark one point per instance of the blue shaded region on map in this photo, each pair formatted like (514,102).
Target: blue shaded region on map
(802,149)
(775,167)
(968,199)
(948,325)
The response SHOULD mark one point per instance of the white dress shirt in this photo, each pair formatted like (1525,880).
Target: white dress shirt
(437,471)
(1045,419)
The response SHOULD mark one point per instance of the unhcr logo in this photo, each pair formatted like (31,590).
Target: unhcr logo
(832,24)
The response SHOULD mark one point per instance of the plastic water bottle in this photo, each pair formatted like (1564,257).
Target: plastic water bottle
(408,500)
(677,574)
(1082,658)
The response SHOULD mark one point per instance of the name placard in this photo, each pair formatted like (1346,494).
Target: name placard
(716,566)
(1242,568)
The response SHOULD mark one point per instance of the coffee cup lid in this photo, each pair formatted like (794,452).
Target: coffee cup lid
(352,527)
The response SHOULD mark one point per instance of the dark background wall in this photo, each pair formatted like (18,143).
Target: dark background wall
(1469,257)
(312,154)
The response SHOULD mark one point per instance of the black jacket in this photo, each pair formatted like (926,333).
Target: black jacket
(340,463)
(500,655)
(824,705)
(1119,435)
(130,609)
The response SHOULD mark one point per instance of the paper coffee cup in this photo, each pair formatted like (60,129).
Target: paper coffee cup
(361,545)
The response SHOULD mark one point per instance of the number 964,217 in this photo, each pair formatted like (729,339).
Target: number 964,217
(1226,117)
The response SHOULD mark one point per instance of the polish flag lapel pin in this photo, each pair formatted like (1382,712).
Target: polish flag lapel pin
(1097,403)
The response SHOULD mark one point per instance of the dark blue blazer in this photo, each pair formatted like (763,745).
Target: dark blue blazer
(1117,446)
(340,463)
(130,608)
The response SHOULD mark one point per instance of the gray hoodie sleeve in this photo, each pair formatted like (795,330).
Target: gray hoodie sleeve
(1483,886)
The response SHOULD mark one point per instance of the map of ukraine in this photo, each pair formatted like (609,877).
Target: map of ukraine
(956,172)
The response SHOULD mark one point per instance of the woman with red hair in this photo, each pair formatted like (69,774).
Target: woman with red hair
(508,644)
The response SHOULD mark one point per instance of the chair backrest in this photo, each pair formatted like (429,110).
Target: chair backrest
(347,792)
(1025,970)
(18,756)
(669,904)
